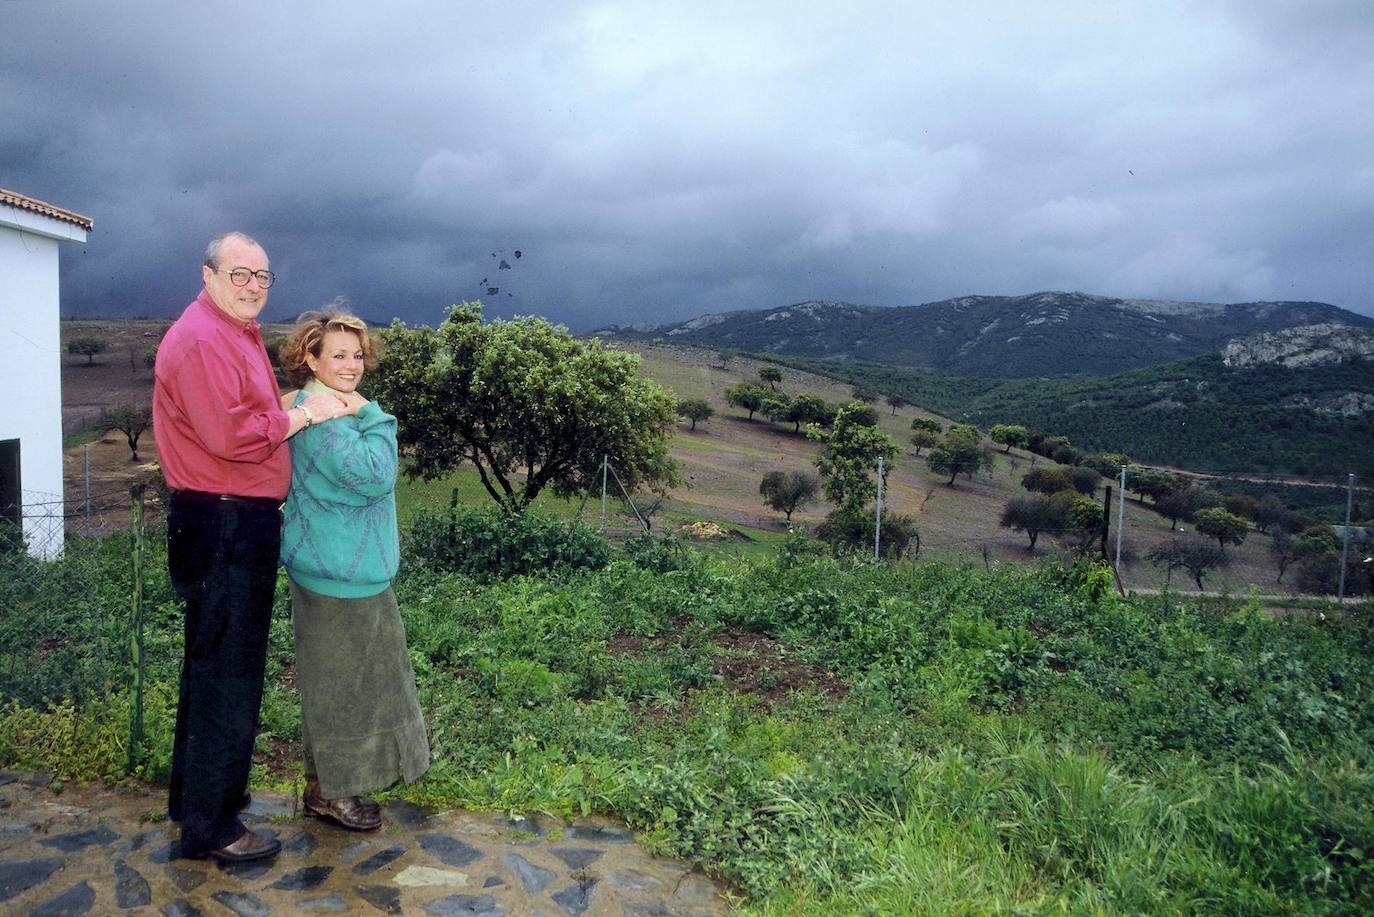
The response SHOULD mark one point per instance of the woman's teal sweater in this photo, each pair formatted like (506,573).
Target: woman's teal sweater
(339,532)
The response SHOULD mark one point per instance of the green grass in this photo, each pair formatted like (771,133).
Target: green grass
(1013,740)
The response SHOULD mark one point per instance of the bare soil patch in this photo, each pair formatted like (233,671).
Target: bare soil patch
(747,662)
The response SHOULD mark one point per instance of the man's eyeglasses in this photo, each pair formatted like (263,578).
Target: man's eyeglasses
(240,276)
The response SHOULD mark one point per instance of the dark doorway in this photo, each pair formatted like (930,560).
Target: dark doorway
(11,499)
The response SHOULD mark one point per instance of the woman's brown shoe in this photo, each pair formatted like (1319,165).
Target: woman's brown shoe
(352,812)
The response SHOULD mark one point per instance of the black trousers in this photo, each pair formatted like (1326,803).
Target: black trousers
(222,556)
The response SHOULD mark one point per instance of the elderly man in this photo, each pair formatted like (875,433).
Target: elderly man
(220,429)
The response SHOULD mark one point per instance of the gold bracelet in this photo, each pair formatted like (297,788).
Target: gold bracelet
(309,418)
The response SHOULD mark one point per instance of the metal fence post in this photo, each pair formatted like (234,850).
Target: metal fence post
(136,643)
(1345,533)
(878,511)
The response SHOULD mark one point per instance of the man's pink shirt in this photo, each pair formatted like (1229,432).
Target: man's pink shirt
(217,413)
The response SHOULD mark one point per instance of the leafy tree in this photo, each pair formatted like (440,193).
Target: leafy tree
(1272,513)
(850,457)
(1067,455)
(1197,557)
(864,394)
(1283,548)
(804,409)
(1150,482)
(1107,464)
(131,420)
(725,355)
(1183,504)
(1226,528)
(1085,480)
(895,402)
(863,414)
(770,374)
(1038,513)
(528,404)
(775,406)
(87,347)
(747,395)
(927,424)
(1088,517)
(1009,435)
(960,452)
(924,439)
(695,409)
(851,532)
(1047,480)
(788,491)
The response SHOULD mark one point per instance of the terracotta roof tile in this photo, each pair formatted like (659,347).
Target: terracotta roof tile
(22,202)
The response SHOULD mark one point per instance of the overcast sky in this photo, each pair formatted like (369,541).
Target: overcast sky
(655,161)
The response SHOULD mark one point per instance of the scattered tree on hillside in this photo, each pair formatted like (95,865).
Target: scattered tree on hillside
(1085,480)
(87,347)
(747,395)
(850,458)
(1089,517)
(788,491)
(895,402)
(1182,505)
(528,404)
(1272,513)
(806,409)
(960,452)
(1283,548)
(1037,514)
(1197,557)
(1226,528)
(1046,479)
(1009,435)
(131,420)
(1150,482)
(864,394)
(924,439)
(725,355)
(863,414)
(770,374)
(927,424)
(695,409)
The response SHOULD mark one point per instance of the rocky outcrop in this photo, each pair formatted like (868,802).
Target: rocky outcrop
(1308,345)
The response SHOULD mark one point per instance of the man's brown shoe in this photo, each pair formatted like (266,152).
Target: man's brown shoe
(355,813)
(250,846)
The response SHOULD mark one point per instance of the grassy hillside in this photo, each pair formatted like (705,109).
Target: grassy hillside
(725,458)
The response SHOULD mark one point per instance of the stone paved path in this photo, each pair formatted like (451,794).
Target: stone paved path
(93,851)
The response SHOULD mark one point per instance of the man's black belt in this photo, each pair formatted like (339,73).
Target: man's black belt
(200,496)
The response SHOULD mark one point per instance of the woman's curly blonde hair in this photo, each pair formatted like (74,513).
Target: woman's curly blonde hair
(308,338)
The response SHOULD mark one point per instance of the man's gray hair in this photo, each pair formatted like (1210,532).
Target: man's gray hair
(212,250)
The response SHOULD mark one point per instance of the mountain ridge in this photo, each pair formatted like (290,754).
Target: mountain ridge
(1043,334)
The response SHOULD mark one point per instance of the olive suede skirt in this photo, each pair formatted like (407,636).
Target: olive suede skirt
(360,718)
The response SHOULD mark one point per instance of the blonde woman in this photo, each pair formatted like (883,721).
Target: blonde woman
(360,719)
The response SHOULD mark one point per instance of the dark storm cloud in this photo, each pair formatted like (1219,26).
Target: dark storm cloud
(656,161)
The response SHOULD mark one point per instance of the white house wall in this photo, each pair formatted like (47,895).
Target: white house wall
(31,375)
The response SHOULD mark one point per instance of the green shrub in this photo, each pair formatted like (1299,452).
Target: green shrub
(488,544)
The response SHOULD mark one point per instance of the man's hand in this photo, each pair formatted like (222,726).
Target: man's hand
(353,402)
(326,406)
